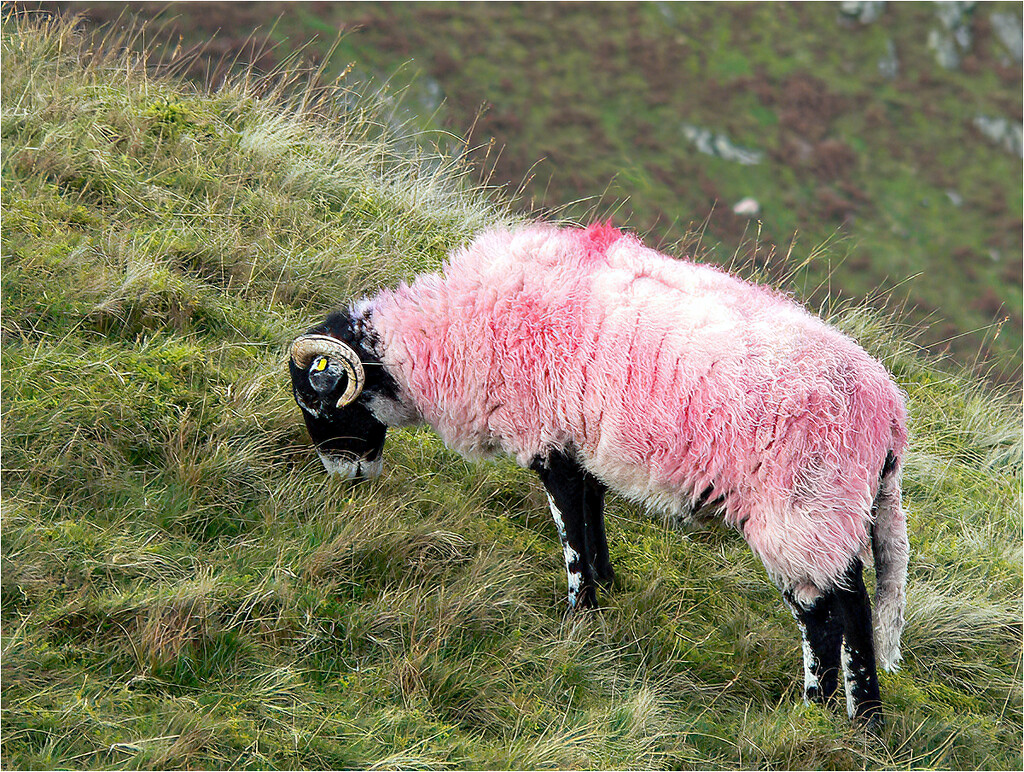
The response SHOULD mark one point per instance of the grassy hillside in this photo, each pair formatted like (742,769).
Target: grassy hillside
(183,587)
(862,137)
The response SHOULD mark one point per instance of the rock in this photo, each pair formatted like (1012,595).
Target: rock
(889,65)
(865,12)
(944,46)
(1008,30)
(1003,131)
(747,207)
(955,37)
(955,15)
(719,145)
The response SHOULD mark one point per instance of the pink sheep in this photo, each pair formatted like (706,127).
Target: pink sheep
(601,363)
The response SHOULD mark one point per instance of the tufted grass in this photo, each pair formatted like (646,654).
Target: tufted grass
(183,587)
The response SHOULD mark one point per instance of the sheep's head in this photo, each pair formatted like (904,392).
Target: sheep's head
(329,380)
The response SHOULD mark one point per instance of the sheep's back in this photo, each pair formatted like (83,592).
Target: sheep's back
(669,377)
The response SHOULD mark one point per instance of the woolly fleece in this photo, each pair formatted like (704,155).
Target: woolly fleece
(667,377)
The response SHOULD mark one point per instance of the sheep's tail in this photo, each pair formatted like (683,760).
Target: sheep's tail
(891,552)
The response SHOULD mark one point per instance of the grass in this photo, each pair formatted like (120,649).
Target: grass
(891,168)
(183,587)
(846,151)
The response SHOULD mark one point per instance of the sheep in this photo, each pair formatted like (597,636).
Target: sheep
(601,364)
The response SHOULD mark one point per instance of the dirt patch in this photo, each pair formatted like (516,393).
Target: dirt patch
(832,159)
(806,107)
(833,206)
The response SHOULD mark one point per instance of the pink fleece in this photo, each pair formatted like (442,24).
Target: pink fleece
(668,377)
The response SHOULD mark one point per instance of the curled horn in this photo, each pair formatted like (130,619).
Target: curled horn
(307,347)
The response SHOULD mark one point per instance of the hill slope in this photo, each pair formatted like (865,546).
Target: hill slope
(839,120)
(183,587)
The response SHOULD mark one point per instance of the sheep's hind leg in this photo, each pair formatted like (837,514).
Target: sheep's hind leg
(822,632)
(863,700)
(566,486)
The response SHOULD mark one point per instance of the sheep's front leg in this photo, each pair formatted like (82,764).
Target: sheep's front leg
(577,502)
(597,539)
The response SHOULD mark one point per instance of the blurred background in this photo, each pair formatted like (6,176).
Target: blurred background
(855,150)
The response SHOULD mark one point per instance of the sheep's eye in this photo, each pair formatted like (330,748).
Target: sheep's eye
(324,375)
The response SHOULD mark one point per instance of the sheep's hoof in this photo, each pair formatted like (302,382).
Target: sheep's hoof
(874,724)
(587,599)
(606,579)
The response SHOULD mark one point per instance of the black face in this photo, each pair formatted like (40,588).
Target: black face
(349,439)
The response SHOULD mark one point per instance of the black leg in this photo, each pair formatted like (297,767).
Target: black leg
(822,632)
(863,701)
(576,506)
(597,539)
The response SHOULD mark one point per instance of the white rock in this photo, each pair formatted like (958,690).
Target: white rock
(1009,134)
(864,12)
(889,65)
(709,143)
(748,207)
(1008,30)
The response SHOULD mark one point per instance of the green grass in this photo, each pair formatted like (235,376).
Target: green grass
(183,587)
(846,150)
(581,107)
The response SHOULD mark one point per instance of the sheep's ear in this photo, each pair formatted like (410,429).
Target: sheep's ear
(316,353)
